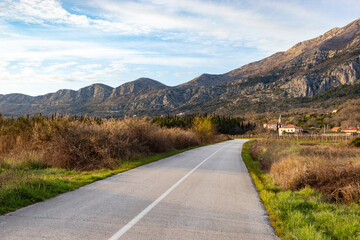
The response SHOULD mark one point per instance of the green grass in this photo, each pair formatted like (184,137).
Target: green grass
(23,185)
(303,214)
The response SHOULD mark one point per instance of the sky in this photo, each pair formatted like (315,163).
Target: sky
(47,45)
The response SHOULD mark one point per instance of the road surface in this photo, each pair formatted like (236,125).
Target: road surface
(204,193)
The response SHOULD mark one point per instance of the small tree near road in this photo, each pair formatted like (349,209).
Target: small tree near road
(203,128)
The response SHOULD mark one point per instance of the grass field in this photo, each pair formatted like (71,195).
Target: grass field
(301,212)
(21,185)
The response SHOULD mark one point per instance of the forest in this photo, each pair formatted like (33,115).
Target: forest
(223,124)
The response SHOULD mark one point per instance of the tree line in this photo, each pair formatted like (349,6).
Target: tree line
(222,124)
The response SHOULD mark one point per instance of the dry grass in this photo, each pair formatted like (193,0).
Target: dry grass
(85,144)
(330,169)
(88,146)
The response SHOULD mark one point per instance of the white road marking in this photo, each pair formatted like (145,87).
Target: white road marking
(130,224)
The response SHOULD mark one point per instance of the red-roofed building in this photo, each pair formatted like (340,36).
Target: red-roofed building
(290,128)
(335,129)
(350,130)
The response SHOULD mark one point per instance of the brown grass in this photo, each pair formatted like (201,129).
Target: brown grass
(331,169)
(85,144)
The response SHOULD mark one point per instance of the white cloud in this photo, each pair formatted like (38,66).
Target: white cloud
(28,63)
(51,12)
(89,66)
(258,25)
(55,67)
(37,50)
(3,64)
(213,22)
(29,75)
(183,74)
(40,12)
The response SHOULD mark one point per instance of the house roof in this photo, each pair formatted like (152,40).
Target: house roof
(335,128)
(350,129)
(271,123)
(291,126)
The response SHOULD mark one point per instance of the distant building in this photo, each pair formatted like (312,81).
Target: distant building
(335,129)
(290,128)
(283,127)
(350,130)
(271,125)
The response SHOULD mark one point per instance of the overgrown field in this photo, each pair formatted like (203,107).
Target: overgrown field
(311,190)
(41,157)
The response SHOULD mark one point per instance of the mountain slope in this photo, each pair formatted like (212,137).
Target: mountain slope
(280,81)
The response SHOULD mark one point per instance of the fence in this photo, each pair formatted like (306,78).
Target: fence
(302,137)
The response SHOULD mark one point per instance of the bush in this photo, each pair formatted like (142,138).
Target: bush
(86,146)
(332,170)
(88,143)
(203,128)
(355,142)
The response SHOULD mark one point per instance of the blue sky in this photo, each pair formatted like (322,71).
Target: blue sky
(46,45)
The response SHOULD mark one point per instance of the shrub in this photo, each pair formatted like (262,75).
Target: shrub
(85,146)
(332,170)
(203,128)
(87,143)
(355,142)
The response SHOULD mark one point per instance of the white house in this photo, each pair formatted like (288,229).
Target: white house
(274,125)
(290,128)
(271,125)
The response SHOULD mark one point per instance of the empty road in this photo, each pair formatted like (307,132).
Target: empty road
(204,193)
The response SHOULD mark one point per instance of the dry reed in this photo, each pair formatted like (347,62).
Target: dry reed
(88,143)
(332,170)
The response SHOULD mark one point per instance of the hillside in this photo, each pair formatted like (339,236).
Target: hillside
(295,78)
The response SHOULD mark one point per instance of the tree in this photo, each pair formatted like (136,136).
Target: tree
(203,128)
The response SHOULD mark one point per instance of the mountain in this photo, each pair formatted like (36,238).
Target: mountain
(323,68)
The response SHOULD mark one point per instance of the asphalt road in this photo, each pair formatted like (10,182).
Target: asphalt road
(205,193)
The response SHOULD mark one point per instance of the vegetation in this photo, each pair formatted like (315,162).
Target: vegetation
(259,79)
(329,99)
(330,169)
(295,192)
(356,142)
(42,157)
(312,120)
(222,124)
(27,181)
(203,128)
(87,143)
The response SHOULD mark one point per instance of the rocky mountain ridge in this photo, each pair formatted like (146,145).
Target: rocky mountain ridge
(307,69)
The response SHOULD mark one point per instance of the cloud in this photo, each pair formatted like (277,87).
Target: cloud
(51,12)
(30,75)
(40,12)
(183,74)
(3,64)
(55,67)
(215,23)
(33,49)
(89,66)
(258,25)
